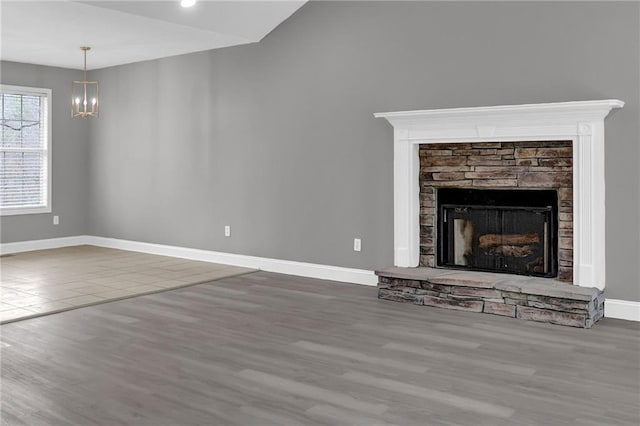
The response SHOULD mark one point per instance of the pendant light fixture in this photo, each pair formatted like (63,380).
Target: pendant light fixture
(84,94)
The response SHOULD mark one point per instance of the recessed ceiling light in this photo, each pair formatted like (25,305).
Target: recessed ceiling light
(187,3)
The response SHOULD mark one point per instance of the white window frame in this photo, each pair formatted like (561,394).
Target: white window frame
(45,120)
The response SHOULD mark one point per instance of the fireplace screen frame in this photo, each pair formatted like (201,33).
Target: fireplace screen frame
(448,256)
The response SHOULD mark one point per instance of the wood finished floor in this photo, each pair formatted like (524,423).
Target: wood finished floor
(263,349)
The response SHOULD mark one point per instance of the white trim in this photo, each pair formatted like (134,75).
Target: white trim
(622,309)
(311,270)
(50,243)
(581,122)
(45,117)
(552,110)
(16,211)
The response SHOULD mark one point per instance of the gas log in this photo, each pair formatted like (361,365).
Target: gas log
(488,241)
(516,251)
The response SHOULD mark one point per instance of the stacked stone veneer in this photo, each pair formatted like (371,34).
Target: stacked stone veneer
(498,165)
(536,299)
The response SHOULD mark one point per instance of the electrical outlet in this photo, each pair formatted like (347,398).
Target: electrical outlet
(56,220)
(357,244)
(227,231)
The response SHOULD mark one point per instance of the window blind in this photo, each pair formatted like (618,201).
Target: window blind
(24,151)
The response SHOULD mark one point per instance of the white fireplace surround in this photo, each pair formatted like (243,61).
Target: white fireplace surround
(581,122)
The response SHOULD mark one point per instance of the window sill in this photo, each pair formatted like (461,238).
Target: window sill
(24,211)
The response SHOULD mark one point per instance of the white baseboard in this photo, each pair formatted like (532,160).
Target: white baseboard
(311,270)
(50,243)
(614,308)
(622,309)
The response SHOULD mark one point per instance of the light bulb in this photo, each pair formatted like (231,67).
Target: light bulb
(187,3)
(93,101)
(77,101)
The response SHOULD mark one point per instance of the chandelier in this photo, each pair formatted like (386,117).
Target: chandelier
(84,94)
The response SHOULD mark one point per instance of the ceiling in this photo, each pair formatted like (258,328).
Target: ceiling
(120,32)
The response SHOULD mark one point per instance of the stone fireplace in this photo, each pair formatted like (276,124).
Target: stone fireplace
(508,205)
(513,189)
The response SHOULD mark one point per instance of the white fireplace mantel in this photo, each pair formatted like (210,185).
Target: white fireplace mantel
(581,122)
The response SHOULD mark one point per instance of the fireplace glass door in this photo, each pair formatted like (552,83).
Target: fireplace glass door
(501,238)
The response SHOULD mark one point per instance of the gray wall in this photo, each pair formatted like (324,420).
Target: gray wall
(69,156)
(278,140)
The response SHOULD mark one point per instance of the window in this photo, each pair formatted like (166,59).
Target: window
(25,158)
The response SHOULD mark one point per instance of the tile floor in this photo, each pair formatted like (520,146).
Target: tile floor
(47,281)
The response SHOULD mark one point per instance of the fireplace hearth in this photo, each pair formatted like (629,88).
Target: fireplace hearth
(511,231)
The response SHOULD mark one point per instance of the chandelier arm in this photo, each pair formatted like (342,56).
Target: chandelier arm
(87,86)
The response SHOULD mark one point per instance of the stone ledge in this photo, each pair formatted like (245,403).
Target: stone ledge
(535,299)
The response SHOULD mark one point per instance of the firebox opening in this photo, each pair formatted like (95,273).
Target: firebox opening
(511,231)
